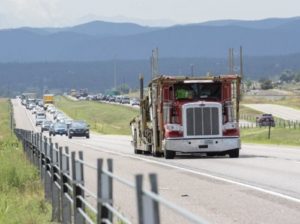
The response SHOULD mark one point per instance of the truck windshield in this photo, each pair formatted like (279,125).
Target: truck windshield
(196,91)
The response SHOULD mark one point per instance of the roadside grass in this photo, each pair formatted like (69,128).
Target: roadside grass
(279,136)
(21,193)
(102,117)
(248,114)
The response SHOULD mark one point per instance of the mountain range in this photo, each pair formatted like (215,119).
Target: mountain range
(89,55)
(100,41)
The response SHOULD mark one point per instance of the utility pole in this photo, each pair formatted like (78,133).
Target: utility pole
(241,62)
(230,60)
(192,69)
(154,63)
(115,73)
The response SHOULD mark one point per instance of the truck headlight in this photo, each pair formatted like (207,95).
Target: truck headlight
(174,127)
(230,126)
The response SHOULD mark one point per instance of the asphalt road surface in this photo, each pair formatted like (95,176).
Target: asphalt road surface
(283,112)
(262,186)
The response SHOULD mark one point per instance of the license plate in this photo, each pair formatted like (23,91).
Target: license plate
(208,141)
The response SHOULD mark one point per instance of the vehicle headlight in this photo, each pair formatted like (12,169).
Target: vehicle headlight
(174,127)
(230,126)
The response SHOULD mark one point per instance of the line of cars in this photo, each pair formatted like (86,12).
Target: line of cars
(115,99)
(57,123)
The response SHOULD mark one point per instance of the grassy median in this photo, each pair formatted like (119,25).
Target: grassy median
(21,193)
(278,136)
(102,117)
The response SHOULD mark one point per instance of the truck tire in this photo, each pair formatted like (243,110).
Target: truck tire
(156,154)
(169,154)
(235,153)
(211,154)
(137,151)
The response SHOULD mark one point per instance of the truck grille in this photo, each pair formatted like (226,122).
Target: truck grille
(202,121)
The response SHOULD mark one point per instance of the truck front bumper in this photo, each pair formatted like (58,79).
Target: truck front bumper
(202,145)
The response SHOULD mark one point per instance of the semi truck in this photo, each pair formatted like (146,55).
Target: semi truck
(188,115)
(28,98)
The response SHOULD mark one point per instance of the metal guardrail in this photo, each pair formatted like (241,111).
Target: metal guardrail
(62,174)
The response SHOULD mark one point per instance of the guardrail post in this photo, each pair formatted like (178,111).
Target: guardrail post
(139,194)
(65,204)
(43,158)
(40,148)
(154,189)
(31,137)
(56,209)
(56,145)
(77,177)
(104,192)
(110,187)
(30,155)
(107,191)
(99,202)
(148,210)
(35,149)
(24,142)
(48,184)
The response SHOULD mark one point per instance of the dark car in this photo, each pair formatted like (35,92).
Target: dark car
(46,125)
(79,128)
(58,129)
(265,120)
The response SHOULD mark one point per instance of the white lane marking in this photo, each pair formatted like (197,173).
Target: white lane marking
(273,193)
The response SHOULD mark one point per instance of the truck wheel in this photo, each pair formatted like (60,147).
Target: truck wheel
(169,154)
(156,154)
(235,153)
(137,151)
(211,154)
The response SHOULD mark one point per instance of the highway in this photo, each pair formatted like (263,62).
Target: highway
(262,186)
(283,112)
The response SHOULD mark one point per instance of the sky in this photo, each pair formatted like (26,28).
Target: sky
(59,13)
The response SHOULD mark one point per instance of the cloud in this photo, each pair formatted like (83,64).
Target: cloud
(41,13)
(15,13)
